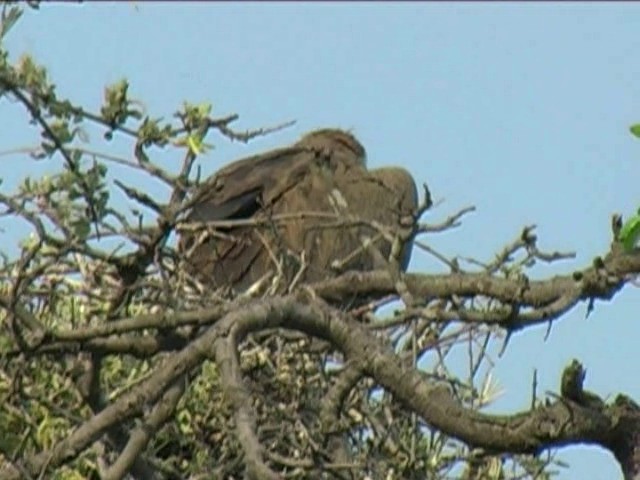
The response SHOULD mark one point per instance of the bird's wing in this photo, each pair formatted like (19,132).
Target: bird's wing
(401,194)
(240,188)
(400,187)
(384,195)
(236,256)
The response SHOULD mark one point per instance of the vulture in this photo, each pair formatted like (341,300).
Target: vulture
(309,211)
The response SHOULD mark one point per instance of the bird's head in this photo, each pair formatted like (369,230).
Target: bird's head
(335,139)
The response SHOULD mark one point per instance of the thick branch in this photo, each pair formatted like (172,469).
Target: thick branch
(549,298)
(566,421)
(561,423)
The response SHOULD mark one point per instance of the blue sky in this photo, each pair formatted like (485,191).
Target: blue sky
(520,109)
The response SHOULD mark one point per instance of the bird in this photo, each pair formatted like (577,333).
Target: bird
(308,211)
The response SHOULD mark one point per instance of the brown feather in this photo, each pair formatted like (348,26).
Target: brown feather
(324,173)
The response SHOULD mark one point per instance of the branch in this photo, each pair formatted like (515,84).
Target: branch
(239,398)
(565,421)
(71,164)
(140,437)
(548,298)
(561,423)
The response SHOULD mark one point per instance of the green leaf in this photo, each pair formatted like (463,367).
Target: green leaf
(81,228)
(635,129)
(9,19)
(193,143)
(630,232)
(115,109)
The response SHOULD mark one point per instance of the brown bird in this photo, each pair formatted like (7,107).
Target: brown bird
(309,211)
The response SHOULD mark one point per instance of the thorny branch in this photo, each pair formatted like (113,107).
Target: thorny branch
(549,297)
(433,402)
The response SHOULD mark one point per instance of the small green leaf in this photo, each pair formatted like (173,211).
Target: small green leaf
(630,232)
(81,228)
(193,143)
(10,17)
(635,129)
